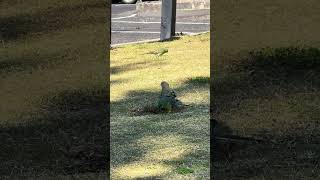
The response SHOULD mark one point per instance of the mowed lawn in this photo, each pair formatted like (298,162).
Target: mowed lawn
(267,86)
(52,89)
(167,145)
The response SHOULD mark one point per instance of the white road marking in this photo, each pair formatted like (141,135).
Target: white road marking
(137,32)
(149,32)
(133,15)
(155,22)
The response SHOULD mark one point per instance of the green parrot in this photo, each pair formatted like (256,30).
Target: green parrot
(162,52)
(167,100)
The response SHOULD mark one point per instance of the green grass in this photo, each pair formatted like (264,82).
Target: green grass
(200,80)
(266,86)
(158,145)
(184,170)
(52,74)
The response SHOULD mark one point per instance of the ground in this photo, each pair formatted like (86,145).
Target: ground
(168,145)
(53,112)
(130,26)
(266,86)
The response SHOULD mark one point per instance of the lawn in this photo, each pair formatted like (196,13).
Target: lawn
(166,145)
(53,96)
(267,87)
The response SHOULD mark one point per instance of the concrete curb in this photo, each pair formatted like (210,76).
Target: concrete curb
(153,40)
(154,8)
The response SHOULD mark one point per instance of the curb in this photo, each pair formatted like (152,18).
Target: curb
(154,8)
(152,40)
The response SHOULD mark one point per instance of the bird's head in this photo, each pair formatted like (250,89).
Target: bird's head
(164,85)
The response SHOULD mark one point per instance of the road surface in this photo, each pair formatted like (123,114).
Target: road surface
(127,26)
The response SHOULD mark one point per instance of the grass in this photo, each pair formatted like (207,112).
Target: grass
(53,96)
(184,170)
(159,145)
(266,86)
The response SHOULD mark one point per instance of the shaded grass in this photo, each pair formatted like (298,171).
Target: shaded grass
(266,85)
(70,133)
(156,145)
(51,19)
(270,93)
(53,107)
(273,99)
(273,87)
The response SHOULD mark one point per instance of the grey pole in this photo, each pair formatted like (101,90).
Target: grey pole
(168,19)
(173,18)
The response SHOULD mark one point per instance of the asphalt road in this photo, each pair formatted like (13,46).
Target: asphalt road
(127,26)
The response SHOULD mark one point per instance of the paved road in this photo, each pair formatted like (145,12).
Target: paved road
(127,26)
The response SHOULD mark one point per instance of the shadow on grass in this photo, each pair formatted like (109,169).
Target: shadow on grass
(70,136)
(131,67)
(258,161)
(34,62)
(199,80)
(283,65)
(267,73)
(277,66)
(147,98)
(126,148)
(14,27)
(250,159)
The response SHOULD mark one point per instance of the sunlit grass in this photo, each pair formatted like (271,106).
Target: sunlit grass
(166,148)
(141,170)
(155,146)
(185,59)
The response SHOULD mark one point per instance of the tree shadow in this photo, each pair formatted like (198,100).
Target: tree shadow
(274,66)
(131,67)
(282,65)
(251,159)
(266,160)
(266,73)
(19,26)
(140,99)
(263,73)
(33,62)
(68,136)
(126,133)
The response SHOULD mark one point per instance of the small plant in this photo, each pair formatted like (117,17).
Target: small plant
(184,170)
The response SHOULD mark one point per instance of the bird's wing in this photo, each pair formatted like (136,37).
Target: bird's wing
(173,93)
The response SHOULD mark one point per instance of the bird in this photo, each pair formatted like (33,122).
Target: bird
(167,100)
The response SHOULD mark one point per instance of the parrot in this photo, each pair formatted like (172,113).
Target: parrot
(167,100)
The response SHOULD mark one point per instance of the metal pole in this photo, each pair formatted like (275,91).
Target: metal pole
(168,19)
(173,18)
